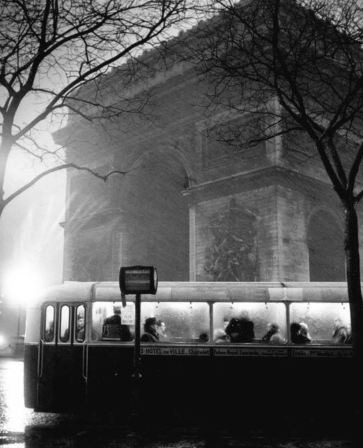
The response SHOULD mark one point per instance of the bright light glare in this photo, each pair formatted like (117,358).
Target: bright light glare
(14,416)
(22,284)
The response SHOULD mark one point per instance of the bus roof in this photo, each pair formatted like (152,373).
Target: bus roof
(202,291)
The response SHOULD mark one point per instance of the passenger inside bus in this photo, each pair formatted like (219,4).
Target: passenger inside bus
(162,331)
(185,321)
(225,322)
(220,336)
(349,339)
(241,330)
(304,332)
(300,333)
(273,334)
(113,327)
(204,337)
(80,328)
(49,332)
(150,330)
(340,332)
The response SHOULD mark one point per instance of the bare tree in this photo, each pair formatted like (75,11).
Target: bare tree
(50,50)
(298,66)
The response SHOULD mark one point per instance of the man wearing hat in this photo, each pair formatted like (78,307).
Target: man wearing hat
(150,330)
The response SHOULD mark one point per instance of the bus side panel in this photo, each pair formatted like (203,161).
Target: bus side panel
(179,385)
(110,370)
(242,388)
(271,388)
(31,353)
(62,386)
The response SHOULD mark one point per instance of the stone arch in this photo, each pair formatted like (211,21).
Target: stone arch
(325,240)
(155,229)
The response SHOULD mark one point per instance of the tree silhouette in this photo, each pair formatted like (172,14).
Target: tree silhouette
(296,67)
(52,49)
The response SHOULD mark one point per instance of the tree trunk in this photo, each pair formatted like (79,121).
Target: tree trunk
(355,301)
(353,279)
(5,148)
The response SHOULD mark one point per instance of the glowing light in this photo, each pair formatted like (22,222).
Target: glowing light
(14,414)
(23,284)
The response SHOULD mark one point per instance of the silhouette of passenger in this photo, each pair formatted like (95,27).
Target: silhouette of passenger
(349,339)
(304,333)
(240,330)
(340,332)
(80,328)
(299,333)
(273,335)
(162,330)
(271,330)
(150,330)
(203,337)
(114,326)
(220,336)
(49,333)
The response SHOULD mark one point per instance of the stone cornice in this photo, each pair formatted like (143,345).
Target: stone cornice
(92,218)
(256,179)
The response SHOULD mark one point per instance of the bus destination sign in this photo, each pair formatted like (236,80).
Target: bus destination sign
(138,280)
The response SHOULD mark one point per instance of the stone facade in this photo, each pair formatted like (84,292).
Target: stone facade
(189,204)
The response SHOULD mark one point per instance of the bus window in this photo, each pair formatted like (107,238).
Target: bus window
(80,323)
(183,321)
(113,322)
(325,321)
(64,324)
(49,324)
(259,317)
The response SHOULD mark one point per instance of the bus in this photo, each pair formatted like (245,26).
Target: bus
(78,357)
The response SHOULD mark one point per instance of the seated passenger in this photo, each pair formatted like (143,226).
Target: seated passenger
(294,332)
(220,336)
(349,339)
(203,337)
(299,333)
(225,322)
(271,330)
(150,330)
(49,333)
(114,329)
(116,318)
(273,335)
(240,330)
(80,328)
(162,330)
(277,338)
(304,333)
(340,332)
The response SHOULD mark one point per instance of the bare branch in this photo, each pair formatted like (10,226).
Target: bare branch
(40,176)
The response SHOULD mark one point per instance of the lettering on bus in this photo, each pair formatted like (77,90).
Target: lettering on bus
(321,353)
(251,352)
(175,351)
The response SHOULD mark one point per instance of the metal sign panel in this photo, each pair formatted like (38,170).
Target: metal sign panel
(138,280)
